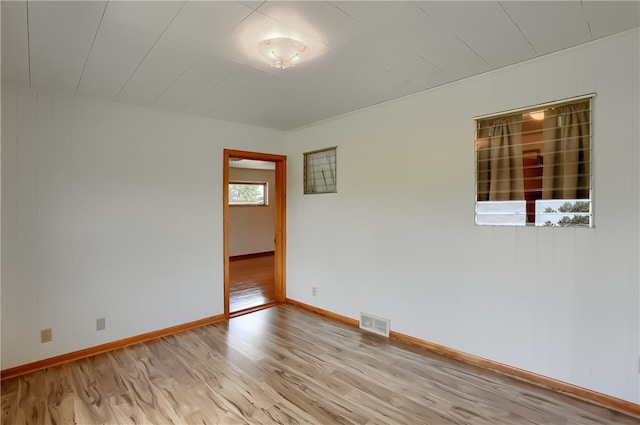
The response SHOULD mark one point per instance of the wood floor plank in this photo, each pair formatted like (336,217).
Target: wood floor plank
(32,399)
(284,365)
(279,414)
(9,395)
(251,282)
(61,398)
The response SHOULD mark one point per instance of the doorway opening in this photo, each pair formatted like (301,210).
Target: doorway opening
(254,214)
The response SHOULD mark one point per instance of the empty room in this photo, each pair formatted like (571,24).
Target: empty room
(320,212)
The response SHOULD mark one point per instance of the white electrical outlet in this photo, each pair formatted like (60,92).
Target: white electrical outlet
(314,291)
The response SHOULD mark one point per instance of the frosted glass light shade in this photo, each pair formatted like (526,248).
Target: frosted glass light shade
(282,53)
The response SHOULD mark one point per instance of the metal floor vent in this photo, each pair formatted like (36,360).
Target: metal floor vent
(377,325)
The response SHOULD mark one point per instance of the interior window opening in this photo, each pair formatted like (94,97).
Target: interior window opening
(534,167)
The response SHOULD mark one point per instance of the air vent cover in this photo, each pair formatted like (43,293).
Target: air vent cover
(377,325)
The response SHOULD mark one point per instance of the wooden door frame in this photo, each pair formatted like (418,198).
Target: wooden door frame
(280,242)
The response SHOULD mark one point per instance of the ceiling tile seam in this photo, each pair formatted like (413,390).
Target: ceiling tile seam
(343,11)
(453,33)
(518,27)
(175,80)
(246,17)
(150,49)
(584,15)
(378,67)
(93,42)
(214,85)
(28,43)
(254,8)
(431,63)
(351,16)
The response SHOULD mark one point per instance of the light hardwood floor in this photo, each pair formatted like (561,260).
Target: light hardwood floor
(283,365)
(251,282)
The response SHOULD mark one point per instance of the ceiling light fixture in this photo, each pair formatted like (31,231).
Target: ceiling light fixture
(282,53)
(537,115)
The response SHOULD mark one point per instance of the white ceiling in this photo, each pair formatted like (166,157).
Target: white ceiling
(251,163)
(201,57)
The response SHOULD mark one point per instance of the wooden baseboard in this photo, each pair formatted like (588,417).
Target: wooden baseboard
(325,313)
(92,351)
(584,394)
(250,256)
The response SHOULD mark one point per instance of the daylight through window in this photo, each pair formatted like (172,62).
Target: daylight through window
(247,193)
(534,167)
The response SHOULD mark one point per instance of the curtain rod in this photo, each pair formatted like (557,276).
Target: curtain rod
(537,106)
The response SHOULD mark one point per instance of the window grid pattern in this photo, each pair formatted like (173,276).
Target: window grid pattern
(320,171)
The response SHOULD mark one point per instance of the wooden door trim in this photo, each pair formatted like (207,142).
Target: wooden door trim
(280,221)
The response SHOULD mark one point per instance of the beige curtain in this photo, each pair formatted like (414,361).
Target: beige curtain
(567,164)
(499,156)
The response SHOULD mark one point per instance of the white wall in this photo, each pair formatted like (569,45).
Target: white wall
(251,228)
(398,240)
(1,328)
(110,211)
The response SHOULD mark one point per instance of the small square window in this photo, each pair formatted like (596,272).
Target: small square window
(320,171)
(248,193)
